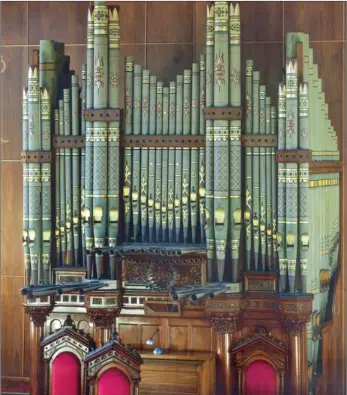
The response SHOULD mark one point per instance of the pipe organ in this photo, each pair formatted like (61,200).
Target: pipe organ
(208,171)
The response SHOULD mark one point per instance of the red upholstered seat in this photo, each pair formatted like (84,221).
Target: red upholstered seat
(260,379)
(114,382)
(66,375)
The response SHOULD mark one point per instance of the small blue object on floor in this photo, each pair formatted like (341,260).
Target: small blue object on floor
(158,351)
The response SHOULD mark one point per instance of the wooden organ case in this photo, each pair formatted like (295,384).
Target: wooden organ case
(180,234)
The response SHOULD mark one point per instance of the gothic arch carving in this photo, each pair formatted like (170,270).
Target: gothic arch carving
(260,346)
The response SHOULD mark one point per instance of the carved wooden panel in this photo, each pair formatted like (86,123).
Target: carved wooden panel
(178,373)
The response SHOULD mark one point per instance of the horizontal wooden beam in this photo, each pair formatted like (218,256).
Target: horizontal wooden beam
(258,140)
(104,115)
(325,167)
(294,156)
(223,113)
(69,142)
(163,141)
(36,156)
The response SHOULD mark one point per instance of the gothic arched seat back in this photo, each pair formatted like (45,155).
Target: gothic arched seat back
(63,352)
(111,363)
(113,382)
(256,356)
(66,374)
(260,378)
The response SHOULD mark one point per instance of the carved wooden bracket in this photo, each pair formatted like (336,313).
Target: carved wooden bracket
(104,307)
(224,322)
(69,142)
(104,115)
(257,140)
(295,313)
(295,324)
(294,156)
(38,314)
(36,156)
(223,113)
(103,318)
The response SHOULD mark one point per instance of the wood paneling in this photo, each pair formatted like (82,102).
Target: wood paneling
(322,20)
(178,373)
(170,24)
(261,21)
(13,79)
(267,59)
(328,56)
(14,19)
(166,61)
(132,22)
(60,21)
(199,29)
(202,338)
(12,260)
(129,334)
(12,319)
(178,338)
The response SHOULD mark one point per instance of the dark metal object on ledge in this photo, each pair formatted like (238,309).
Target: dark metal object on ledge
(197,292)
(32,292)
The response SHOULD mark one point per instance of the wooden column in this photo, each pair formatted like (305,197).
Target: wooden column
(104,320)
(224,374)
(225,325)
(104,317)
(38,315)
(298,364)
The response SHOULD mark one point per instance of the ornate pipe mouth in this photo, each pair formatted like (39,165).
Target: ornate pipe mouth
(174,298)
(162,252)
(178,252)
(142,250)
(193,298)
(157,251)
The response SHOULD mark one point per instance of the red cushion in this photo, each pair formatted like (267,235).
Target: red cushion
(66,375)
(114,382)
(260,379)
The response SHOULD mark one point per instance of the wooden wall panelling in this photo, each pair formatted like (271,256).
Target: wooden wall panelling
(132,22)
(14,23)
(13,79)
(166,61)
(12,260)
(172,23)
(177,334)
(60,21)
(12,318)
(255,21)
(329,57)
(322,20)
(267,58)
(178,373)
